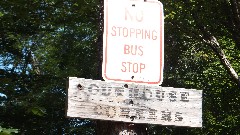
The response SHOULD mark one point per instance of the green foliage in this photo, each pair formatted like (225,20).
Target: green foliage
(7,131)
(44,42)
(191,63)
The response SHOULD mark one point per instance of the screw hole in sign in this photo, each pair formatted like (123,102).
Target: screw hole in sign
(133,5)
(131,102)
(80,87)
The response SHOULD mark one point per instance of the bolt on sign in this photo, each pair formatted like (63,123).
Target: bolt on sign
(133,41)
(95,99)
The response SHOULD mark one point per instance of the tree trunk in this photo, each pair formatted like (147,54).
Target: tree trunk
(120,128)
(111,127)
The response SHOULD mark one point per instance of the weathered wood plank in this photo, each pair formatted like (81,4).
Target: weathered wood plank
(96,99)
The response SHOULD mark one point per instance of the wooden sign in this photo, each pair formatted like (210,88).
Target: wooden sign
(96,99)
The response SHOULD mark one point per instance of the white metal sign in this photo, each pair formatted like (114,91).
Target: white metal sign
(96,99)
(133,41)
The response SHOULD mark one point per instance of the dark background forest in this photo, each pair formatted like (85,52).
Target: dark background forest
(43,42)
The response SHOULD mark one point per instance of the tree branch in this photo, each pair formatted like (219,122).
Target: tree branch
(214,44)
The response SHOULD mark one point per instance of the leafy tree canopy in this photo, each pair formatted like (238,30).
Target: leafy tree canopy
(44,42)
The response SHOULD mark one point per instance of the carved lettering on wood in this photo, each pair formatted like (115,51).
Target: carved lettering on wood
(96,99)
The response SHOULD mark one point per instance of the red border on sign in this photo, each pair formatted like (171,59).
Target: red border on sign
(161,47)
